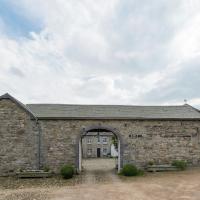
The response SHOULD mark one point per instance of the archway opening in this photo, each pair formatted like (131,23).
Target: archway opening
(99,148)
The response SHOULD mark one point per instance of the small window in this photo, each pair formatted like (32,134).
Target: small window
(105,140)
(89,140)
(89,152)
(98,139)
(104,151)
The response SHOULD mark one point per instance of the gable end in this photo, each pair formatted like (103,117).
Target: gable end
(18,103)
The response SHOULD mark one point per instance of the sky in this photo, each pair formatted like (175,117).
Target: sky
(135,52)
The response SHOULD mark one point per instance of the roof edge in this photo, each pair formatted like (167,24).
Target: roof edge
(117,118)
(123,105)
(20,104)
(195,109)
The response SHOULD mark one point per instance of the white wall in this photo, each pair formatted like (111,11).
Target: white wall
(114,153)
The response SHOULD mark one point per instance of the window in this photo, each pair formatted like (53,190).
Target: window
(89,140)
(89,152)
(104,139)
(98,139)
(104,151)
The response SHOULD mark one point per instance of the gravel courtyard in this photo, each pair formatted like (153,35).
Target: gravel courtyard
(99,181)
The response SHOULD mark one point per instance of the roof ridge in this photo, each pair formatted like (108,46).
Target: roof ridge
(195,109)
(43,104)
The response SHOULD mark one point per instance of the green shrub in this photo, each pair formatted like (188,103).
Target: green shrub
(140,172)
(180,164)
(21,170)
(151,163)
(67,171)
(46,169)
(131,170)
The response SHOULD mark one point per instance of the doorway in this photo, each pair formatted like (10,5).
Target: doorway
(102,152)
(98,152)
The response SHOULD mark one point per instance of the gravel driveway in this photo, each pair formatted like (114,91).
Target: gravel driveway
(99,182)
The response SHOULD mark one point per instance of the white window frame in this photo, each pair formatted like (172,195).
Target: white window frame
(106,140)
(105,151)
(89,140)
(98,139)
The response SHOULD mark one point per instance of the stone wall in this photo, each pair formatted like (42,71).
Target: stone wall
(143,141)
(58,139)
(18,139)
(163,141)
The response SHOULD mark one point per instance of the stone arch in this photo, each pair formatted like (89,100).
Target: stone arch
(84,132)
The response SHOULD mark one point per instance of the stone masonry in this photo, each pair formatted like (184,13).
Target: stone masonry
(18,139)
(143,141)
(28,143)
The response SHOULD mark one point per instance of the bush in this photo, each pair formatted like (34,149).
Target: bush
(67,171)
(131,170)
(180,164)
(150,163)
(46,169)
(140,172)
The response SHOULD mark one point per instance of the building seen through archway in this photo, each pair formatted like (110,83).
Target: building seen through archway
(99,145)
(99,150)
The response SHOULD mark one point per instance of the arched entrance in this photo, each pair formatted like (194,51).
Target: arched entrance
(98,128)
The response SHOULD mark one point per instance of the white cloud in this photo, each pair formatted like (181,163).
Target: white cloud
(185,44)
(109,52)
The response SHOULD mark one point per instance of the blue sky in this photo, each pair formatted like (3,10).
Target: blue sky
(16,23)
(101,52)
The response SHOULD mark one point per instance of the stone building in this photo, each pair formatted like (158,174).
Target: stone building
(97,145)
(36,135)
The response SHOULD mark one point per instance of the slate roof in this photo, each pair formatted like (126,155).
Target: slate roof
(67,111)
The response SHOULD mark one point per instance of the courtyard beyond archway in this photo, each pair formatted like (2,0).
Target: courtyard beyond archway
(96,136)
